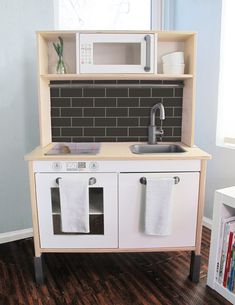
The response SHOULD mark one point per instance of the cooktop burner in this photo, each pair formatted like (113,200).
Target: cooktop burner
(74,149)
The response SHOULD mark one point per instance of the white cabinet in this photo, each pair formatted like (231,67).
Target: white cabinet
(224,207)
(103,212)
(131,211)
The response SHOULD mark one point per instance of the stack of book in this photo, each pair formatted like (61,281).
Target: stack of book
(225,273)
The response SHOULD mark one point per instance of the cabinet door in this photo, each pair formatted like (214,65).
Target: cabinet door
(131,211)
(102,212)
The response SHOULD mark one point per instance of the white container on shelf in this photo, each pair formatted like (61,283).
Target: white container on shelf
(173,69)
(174,58)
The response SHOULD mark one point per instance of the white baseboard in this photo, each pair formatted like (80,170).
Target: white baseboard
(15,235)
(207,222)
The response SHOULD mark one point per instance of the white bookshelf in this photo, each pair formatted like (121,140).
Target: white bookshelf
(224,207)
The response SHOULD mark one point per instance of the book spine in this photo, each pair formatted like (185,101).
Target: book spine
(228,260)
(224,253)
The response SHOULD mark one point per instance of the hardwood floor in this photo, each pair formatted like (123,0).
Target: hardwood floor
(104,279)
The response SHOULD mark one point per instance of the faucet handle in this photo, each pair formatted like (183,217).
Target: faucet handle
(159,132)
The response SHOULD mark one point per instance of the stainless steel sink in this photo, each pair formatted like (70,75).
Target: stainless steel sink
(156,148)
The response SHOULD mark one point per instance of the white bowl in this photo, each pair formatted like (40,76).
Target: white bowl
(173,69)
(175,58)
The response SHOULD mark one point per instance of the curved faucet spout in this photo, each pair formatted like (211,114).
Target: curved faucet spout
(153,113)
(153,132)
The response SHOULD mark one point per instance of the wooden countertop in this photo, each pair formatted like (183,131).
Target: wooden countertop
(120,151)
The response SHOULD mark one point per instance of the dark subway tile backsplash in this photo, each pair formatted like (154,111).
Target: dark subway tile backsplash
(113,114)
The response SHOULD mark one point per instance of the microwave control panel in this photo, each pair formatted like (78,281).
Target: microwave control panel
(86,54)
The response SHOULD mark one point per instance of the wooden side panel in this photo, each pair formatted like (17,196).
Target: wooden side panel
(188,112)
(188,119)
(44,112)
(34,210)
(201,200)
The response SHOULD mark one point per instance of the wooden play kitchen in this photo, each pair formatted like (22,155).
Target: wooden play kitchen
(116,173)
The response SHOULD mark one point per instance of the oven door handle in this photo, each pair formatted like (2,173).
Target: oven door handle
(92,180)
(147,38)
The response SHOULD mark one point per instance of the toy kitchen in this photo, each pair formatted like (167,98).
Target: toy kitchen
(117,169)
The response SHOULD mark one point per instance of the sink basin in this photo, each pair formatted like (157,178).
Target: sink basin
(156,148)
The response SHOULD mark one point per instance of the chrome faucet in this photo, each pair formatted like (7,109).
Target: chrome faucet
(153,131)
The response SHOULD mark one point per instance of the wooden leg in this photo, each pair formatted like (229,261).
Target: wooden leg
(195,265)
(38,268)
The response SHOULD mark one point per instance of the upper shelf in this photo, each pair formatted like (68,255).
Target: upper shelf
(116,76)
(165,43)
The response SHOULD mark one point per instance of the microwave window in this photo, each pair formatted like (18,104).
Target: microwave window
(116,53)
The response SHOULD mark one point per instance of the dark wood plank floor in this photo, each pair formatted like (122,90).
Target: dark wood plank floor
(104,279)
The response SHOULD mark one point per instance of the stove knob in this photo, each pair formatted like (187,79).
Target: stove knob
(94,166)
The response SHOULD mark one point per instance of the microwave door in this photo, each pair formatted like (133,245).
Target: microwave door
(116,53)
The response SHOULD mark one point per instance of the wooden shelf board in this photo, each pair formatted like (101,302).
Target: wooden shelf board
(115,76)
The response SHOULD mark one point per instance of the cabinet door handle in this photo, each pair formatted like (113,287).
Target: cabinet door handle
(143,180)
(92,180)
(147,38)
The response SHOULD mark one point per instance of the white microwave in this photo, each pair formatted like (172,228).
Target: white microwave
(115,53)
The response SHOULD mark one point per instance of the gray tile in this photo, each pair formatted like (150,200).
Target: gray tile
(82,102)
(55,132)
(55,112)
(70,92)
(128,102)
(105,102)
(149,101)
(139,112)
(140,92)
(82,121)
(94,131)
(179,92)
(127,122)
(105,139)
(127,139)
(94,112)
(71,131)
(177,132)
(172,122)
(116,132)
(138,131)
(61,139)
(71,112)
(83,139)
(54,92)
(94,92)
(116,92)
(60,102)
(172,102)
(60,122)
(178,112)
(116,112)
(162,92)
(172,139)
(105,121)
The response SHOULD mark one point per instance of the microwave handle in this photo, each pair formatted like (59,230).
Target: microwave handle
(147,38)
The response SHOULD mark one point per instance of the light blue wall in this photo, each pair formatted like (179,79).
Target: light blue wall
(19,20)
(204,16)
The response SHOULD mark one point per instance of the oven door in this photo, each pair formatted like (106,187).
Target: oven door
(102,212)
(115,53)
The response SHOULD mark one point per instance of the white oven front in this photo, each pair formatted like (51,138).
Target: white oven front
(102,211)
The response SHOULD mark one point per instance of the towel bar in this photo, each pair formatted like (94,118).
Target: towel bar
(92,180)
(144,181)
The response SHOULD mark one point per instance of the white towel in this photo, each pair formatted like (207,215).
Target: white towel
(74,204)
(158,206)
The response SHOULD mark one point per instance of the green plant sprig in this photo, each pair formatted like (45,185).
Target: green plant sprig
(59,47)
